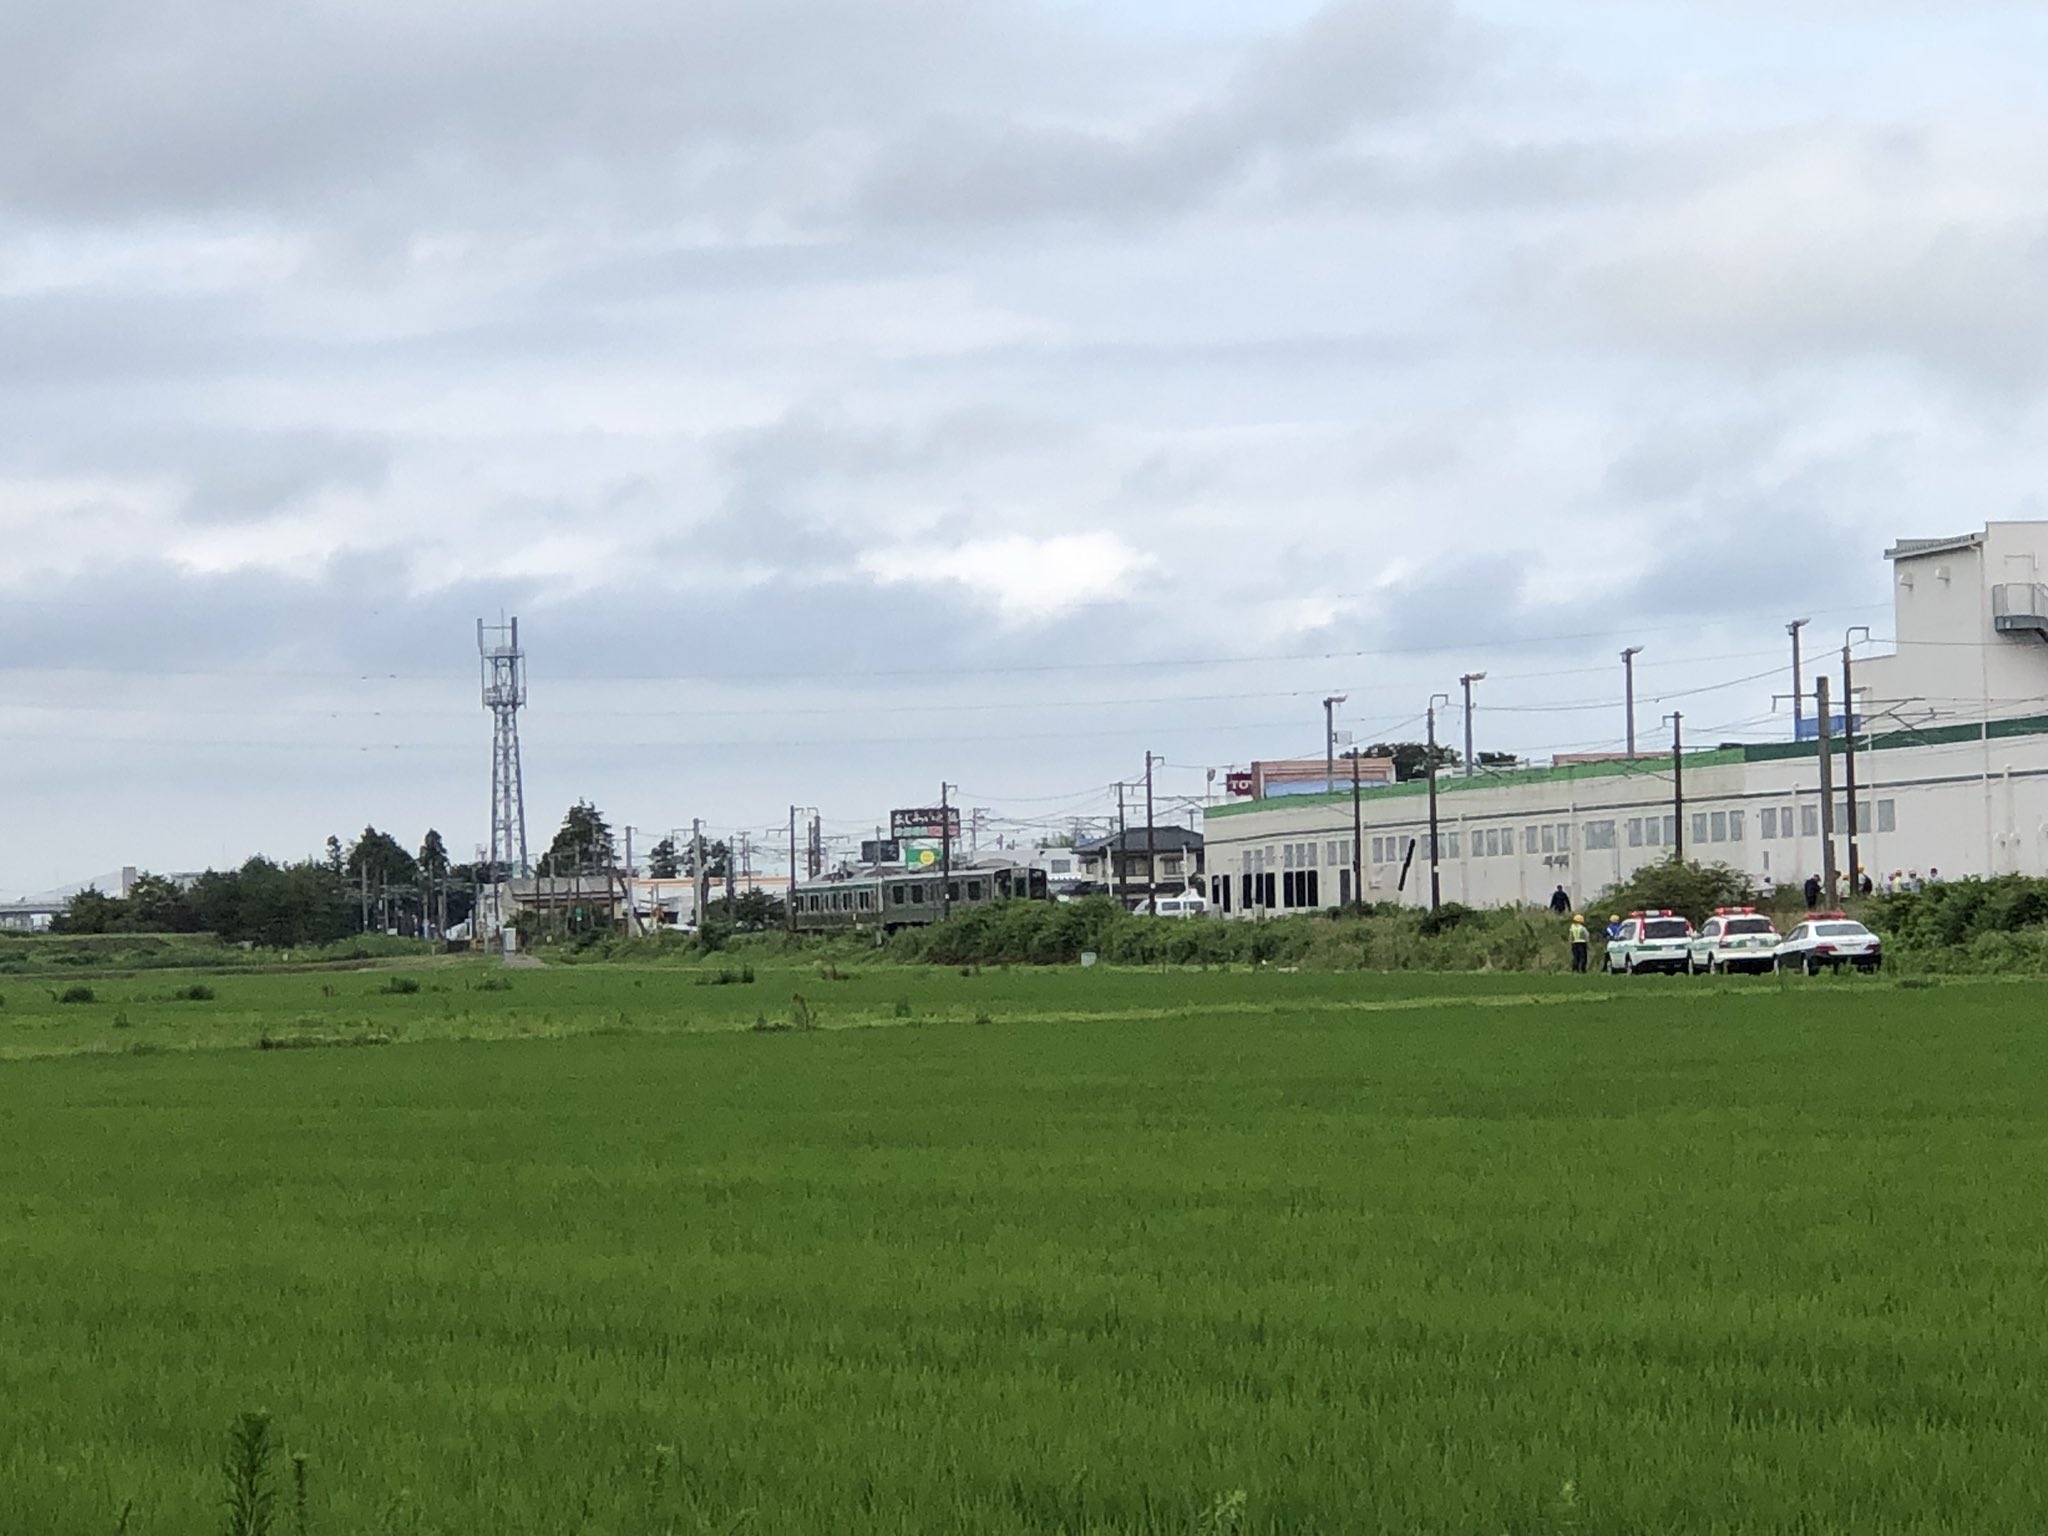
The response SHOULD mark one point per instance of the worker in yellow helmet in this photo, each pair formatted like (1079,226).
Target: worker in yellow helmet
(1582,944)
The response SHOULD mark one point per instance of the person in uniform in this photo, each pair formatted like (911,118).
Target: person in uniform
(1582,944)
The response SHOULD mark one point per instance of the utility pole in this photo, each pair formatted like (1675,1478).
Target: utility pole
(1849,754)
(1466,683)
(1357,837)
(363,872)
(1827,785)
(1436,887)
(945,851)
(1117,849)
(1678,788)
(698,878)
(629,853)
(1329,743)
(1151,848)
(789,906)
(1628,674)
(1798,679)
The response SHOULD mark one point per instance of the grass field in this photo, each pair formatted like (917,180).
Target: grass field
(1041,1251)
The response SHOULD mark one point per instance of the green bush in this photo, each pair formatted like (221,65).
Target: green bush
(198,992)
(1689,889)
(400,986)
(76,994)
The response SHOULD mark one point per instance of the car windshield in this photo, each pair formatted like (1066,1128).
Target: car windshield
(1748,925)
(1842,931)
(1666,928)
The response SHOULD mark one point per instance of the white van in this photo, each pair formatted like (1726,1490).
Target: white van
(1189,904)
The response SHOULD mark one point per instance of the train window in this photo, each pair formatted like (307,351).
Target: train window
(917,895)
(952,890)
(974,890)
(896,894)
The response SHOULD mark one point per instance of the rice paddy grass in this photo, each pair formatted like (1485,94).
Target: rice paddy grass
(1029,1252)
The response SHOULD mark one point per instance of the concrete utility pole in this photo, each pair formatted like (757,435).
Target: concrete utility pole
(1678,788)
(1466,683)
(697,875)
(789,906)
(1827,785)
(1798,679)
(1357,837)
(1436,887)
(1329,741)
(1117,848)
(1151,846)
(1849,753)
(1628,674)
(945,851)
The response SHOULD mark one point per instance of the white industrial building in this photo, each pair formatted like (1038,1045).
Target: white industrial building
(1951,773)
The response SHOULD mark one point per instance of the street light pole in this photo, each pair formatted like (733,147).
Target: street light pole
(1798,685)
(1466,683)
(1628,673)
(1330,741)
(1436,888)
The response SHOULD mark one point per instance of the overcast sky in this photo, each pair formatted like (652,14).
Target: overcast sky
(849,395)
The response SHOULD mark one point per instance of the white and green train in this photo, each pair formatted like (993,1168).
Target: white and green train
(888,899)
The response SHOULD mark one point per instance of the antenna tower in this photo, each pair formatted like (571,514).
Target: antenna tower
(504,674)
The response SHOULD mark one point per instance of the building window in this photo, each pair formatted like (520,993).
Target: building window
(1635,831)
(1489,847)
(1671,830)
(1887,816)
(1717,823)
(1550,839)
(1564,837)
(1809,821)
(1767,823)
(1785,822)
(1699,827)
(1735,821)
(1600,835)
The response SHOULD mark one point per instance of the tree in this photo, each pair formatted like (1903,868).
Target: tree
(1498,760)
(664,860)
(1411,758)
(433,865)
(583,846)
(379,858)
(334,853)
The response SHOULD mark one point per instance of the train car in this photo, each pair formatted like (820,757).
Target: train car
(888,899)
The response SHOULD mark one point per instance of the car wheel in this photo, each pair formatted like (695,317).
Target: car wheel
(1812,965)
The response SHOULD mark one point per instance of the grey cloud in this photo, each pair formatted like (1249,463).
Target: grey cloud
(121,107)
(1356,63)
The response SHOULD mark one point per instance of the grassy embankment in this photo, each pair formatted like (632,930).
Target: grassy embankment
(1676,1257)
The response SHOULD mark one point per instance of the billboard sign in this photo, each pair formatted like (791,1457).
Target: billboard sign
(929,822)
(883,851)
(1240,784)
(921,855)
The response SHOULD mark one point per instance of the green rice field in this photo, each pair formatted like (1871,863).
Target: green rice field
(611,1252)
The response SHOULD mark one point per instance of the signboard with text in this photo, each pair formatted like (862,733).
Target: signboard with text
(928,822)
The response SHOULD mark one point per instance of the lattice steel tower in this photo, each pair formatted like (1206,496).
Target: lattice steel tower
(504,672)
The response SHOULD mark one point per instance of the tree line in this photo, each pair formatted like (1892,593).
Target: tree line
(372,884)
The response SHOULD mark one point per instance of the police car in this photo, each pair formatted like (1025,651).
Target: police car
(1734,939)
(1831,940)
(1650,941)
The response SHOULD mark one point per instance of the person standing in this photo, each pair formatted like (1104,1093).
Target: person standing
(1559,902)
(1582,944)
(1813,893)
